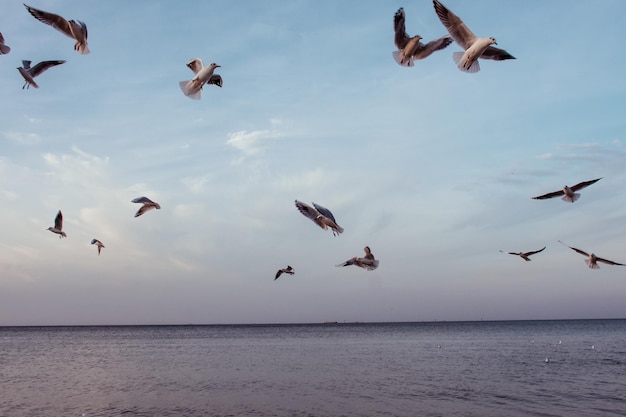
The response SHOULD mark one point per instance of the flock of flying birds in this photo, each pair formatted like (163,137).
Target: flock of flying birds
(409,49)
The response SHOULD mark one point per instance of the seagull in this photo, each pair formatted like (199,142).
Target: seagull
(525,255)
(368,262)
(321,216)
(288,270)
(410,48)
(58,225)
(568,193)
(97,243)
(75,29)
(4,49)
(592,260)
(147,205)
(474,47)
(204,75)
(29,73)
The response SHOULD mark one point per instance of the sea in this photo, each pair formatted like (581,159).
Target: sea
(496,368)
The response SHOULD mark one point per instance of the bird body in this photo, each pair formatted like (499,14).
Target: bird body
(321,216)
(367,262)
(592,260)
(525,255)
(29,73)
(204,75)
(474,46)
(75,29)
(147,205)
(410,48)
(568,193)
(289,270)
(98,244)
(4,49)
(58,225)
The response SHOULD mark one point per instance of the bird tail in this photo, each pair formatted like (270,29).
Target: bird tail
(339,230)
(189,90)
(463,65)
(81,48)
(397,55)
(571,199)
(4,49)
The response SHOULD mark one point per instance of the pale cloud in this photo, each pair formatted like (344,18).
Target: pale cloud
(23,138)
(196,185)
(250,143)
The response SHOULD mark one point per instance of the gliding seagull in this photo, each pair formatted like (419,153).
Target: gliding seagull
(30,73)
(147,205)
(592,260)
(75,29)
(525,255)
(288,270)
(368,262)
(568,193)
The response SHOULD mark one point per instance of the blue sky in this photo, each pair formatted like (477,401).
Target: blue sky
(431,167)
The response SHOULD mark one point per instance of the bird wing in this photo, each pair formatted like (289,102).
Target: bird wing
(80,26)
(54,20)
(280,271)
(307,210)
(584,184)
(1,38)
(455,26)
(325,212)
(437,44)
(289,268)
(93,241)
(550,195)
(582,252)
(533,252)
(606,261)
(142,200)
(350,261)
(195,65)
(401,38)
(145,208)
(42,66)
(58,221)
(496,54)
(215,79)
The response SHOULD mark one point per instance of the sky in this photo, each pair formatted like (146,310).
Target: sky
(431,167)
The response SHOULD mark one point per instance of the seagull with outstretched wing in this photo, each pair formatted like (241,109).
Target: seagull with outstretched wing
(204,75)
(592,260)
(569,193)
(29,73)
(320,215)
(367,262)
(525,255)
(98,244)
(147,205)
(289,270)
(409,47)
(75,29)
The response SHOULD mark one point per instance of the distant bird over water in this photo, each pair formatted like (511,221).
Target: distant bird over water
(97,243)
(29,73)
(147,205)
(4,49)
(58,225)
(525,255)
(289,270)
(321,216)
(410,48)
(204,75)
(75,29)
(592,260)
(368,262)
(474,46)
(569,193)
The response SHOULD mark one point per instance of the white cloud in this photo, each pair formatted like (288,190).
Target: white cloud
(23,138)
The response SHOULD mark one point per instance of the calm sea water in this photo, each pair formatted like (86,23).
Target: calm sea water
(400,369)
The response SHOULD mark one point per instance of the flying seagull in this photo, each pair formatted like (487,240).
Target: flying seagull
(147,205)
(288,270)
(474,47)
(525,255)
(29,73)
(321,216)
(4,49)
(75,29)
(58,225)
(568,193)
(410,48)
(368,262)
(592,260)
(204,75)
(97,243)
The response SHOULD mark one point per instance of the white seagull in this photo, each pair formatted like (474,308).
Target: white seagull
(147,205)
(474,46)
(525,255)
(58,225)
(288,270)
(568,193)
(368,262)
(321,216)
(592,260)
(410,48)
(97,243)
(29,73)
(204,75)
(4,49)
(75,29)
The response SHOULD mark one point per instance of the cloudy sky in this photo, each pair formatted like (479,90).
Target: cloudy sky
(431,167)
